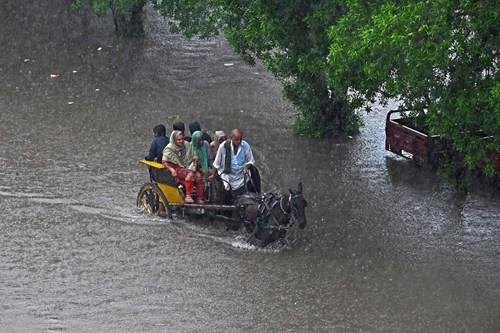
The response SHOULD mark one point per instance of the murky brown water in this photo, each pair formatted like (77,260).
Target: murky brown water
(389,247)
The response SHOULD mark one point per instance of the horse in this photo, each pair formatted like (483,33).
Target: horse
(269,217)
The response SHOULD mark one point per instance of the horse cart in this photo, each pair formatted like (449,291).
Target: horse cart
(265,217)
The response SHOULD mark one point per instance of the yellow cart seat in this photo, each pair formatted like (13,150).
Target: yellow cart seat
(167,183)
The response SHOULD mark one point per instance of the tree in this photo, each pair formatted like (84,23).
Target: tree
(439,58)
(127,14)
(290,37)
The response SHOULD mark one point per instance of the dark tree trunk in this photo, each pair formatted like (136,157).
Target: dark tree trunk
(130,24)
(333,112)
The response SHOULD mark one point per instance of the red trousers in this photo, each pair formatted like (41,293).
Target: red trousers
(183,173)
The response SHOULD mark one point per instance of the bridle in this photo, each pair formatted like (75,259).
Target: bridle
(291,198)
(289,204)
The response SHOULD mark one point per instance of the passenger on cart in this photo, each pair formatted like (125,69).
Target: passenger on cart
(195,126)
(219,138)
(181,160)
(159,143)
(234,158)
(179,126)
(200,147)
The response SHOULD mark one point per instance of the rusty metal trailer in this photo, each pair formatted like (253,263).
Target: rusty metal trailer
(404,139)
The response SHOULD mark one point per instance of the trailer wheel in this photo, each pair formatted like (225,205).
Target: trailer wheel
(152,200)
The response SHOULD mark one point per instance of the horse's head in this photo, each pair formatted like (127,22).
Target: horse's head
(298,206)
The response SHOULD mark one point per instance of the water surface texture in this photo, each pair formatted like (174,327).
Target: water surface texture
(389,247)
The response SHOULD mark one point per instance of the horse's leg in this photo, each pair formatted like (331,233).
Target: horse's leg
(265,242)
(234,223)
(282,237)
(261,237)
(255,235)
(251,215)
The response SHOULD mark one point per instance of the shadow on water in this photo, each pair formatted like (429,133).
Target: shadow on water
(389,247)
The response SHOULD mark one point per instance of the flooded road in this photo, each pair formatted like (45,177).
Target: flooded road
(389,247)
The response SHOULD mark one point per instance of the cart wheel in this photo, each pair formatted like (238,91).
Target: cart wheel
(153,201)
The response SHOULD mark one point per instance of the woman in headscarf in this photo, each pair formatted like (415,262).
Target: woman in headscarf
(182,162)
(219,137)
(216,188)
(200,147)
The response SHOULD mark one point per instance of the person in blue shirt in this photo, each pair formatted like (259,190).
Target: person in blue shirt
(232,161)
(159,143)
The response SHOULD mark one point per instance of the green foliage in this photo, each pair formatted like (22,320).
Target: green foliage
(439,58)
(290,38)
(127,14)
(192,17)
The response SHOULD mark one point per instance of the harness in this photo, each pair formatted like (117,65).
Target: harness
(266,208)
(266,205)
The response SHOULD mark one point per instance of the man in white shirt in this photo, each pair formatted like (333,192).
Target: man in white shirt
(231,162)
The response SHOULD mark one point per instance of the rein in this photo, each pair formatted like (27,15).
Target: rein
(281,204)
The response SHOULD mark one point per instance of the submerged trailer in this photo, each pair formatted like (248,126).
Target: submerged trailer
(403,138)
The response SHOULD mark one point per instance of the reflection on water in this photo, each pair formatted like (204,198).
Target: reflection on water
(389,247)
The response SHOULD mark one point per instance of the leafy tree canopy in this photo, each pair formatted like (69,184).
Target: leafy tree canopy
(438,57)
(127,14)
(290,37)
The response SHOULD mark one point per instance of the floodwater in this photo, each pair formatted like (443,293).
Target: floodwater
(389,247)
